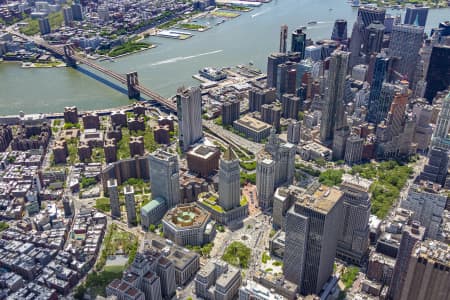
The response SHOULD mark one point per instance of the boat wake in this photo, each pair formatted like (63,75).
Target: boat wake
(260,13)
(181,58)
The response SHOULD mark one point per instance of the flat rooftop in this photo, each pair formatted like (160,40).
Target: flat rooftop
(252,123)
(162,155)
(322,199)
(203,151)
(434,251)
(356,182)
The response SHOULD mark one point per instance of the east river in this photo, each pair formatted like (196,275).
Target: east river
(248,38)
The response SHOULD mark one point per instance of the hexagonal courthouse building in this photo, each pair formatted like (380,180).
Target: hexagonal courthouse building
(188,224)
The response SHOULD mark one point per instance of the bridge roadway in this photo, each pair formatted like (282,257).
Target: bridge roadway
(120,78)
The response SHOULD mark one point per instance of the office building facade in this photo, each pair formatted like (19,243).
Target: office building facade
(353,241)
(333,113)
(406,41)
(312,228)
(229,181)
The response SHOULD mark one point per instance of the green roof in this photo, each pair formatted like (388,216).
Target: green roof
(158,201)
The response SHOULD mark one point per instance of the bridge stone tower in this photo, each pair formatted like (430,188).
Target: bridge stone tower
(68,56)
(132,82)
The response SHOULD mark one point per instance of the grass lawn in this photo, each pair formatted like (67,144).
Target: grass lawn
(190,26)
(225,14)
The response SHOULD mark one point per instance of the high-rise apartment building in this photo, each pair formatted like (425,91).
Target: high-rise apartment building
(164,177)
(229,181)
(271,114)
(113,193)
(230,111)
(353,241)
(333,112)
(290,105)
(130,205)
(68,16)
(312,229)
(189,107)
(257,98)
(44,26)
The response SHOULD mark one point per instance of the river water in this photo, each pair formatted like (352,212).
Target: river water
(250,37)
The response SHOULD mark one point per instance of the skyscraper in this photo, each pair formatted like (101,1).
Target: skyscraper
(286,78)
(265,182)
(373,38)
(436,168)
(130,204)
(333,113)
(189,107)
(293,131)
(273,61)
(427,275)
(229,181)
(381,106)
(438,75)
(283,38)
(339,30)
(369,14)
(304,69)
(354,149)
(291,105)
(379,76)
(164,177)
(298,42)
(312,229)
(440,137)
(406,41)
(356,40)
(113,193)
(366,16)
(353,241)
(411,234)
(427,201)
(416,15)
(230,111)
